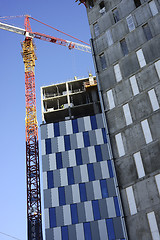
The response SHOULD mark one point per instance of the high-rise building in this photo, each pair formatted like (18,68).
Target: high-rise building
(81,196)
(126,49)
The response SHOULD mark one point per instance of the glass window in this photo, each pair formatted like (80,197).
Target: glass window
(153,7)
(110,228)
(74,213)
(91,172)
(104,189)
(64,231)
(70,176)
(102,7)
(137,3)
(87,231)
(117,72)
(130,23)
(75,126)
(96,29)
(124,47)
(67,142)
(62,200)
(52,217)
(98,153)
(110,168)
(50,179)
(118,213)
(56,130)
(103,61)
(82,189)
(48,146)
(104,135)
(116,15)
(93,122)
(86,139)
(78,157)
(147,31)
(96,211)
(59,160)
(141,58)
(109,37)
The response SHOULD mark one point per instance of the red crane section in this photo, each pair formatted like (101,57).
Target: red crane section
(32,150)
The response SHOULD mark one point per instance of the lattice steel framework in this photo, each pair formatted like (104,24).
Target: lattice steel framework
(32,150)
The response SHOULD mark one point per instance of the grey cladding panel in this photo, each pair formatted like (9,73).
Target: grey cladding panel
(89,191)
(45,163)
(77,174)
(99,120)
(59,216)
(43,132)
(47,198)
(62,128)
(95,231)
(73,141)
(132,64)
(151,50)
(97,171)
(57,179)
(81,212)
(81,127)
(103,208)
(54,144)
(68,194)
(85,157)
(142,14)
(92,137)
(65,159)
(111,187)
(49,234)
(105,152)
(118,228)
(72,232)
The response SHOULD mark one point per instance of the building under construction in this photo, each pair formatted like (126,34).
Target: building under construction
(81,197)
(126,49)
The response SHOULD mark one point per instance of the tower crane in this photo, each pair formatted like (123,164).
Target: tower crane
(34,219)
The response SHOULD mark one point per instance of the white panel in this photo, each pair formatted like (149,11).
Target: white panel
(109,37)
(63,176)
(88,211)
(50,130)
(127,114)
(157,66)
(80,231)
(54,197)
(43,147)
(153,99)
(110,99)
(120,145)
(102,230)
(131,200)
(157,177)
(111,207)
(104,169)
(67,214)
(139,165)
(80,142)
(146,131)
(46,214)
(69,127)
(117,73)
(72,158)
(134,85)
(92,155)
(99,136)
(153,226)
(87,123)
(130,23)
(45,180)
(153,7)
(97,189)
(57,233)
(75,193)
(141,59)
(60,144)
(52,161)
(84,173)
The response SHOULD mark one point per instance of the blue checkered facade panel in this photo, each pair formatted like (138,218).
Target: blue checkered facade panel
(80,195)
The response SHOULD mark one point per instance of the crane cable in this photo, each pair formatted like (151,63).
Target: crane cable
(59,31)
(9,236)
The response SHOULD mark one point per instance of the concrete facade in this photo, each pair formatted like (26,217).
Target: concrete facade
(126,50)
(81,196)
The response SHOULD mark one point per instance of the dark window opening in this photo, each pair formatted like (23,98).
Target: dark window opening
(147,31)
(124,47)
(101,5)
(116,15)
(137,3)
(90,3)
(103,61)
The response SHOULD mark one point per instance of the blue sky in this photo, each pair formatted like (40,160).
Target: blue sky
(55,64)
